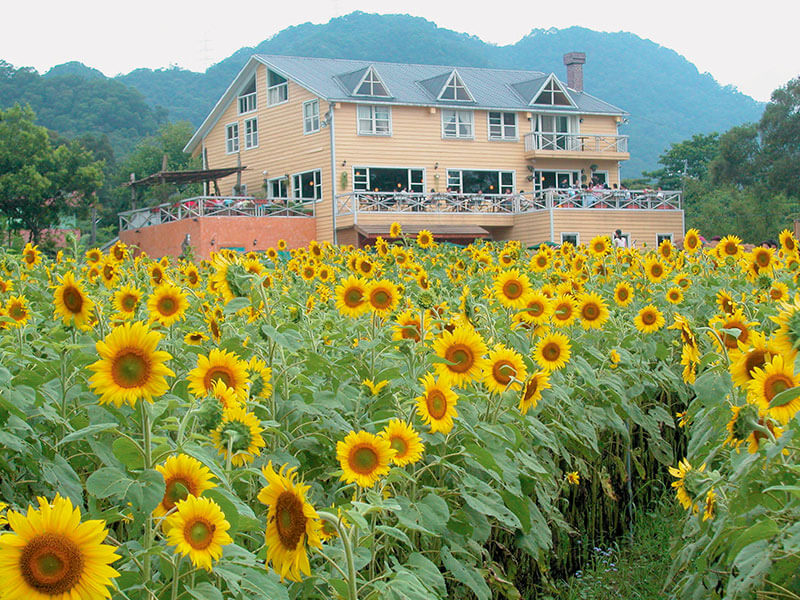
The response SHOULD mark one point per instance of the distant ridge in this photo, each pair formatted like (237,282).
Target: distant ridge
(666,96)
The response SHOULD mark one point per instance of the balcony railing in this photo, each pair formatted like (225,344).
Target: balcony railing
(217,206)
(575,142)
(493,204)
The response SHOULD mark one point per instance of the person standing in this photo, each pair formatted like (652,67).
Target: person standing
(619,240)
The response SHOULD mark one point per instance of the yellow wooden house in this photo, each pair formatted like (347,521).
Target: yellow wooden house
(463,152)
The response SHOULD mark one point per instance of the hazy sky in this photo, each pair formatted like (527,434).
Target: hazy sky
(754,46)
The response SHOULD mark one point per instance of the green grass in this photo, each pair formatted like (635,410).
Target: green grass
(629,570)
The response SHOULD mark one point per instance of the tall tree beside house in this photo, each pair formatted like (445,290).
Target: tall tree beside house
(40,180)
(687,158)
(780,139)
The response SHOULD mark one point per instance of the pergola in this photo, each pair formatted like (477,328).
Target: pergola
(182,177)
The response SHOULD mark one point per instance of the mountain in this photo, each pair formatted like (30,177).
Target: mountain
(667,98)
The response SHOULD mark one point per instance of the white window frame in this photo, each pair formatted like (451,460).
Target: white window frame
(296,192)
(279,91)
(575,233)
(373,120)
(455,180)
(455,83)
(372,78)
(663,236)
(458,114)
(232,141)
(502,125)
(251,137)
(552,87)
(283,184)
(310,121)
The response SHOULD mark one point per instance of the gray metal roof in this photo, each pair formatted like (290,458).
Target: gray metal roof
(333,79)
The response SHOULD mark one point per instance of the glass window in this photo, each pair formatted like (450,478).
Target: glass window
(311,116)
(278,187)
(502,126)
(544,180)
(232,138)
(374,120)
(570,237)
(307,185)
(455,89)
(387,179)
(552,95)
(457,124)
(251,133)
(480,182)
(247,99)
(660,237)
(277,89)
(372,85)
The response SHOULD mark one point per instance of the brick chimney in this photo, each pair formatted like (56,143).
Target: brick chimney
(575,62)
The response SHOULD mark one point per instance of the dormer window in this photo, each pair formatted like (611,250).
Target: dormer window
(277,89)
(247,98)
(371,85)
(455,89)
(552,94)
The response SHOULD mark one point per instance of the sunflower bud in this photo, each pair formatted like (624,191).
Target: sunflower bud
(209,416)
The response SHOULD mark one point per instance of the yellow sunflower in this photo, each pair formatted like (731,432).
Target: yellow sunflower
(552,351)
(51,555)
(17,309)
(593,310)
(437,405)
(382,296)
(776,376)
(424,239)
(198,529)
(692,242)
(407,326)
(93,256)
(736,321)
(6,285)
(109,272)
(787,241)
(674,295)
(540,260)
(126,301)
(191,276)
(512,288)
(649,319)
(690,358)
(219,364)
(351,297)
(405,441)
(293,526)
(757,352)
(532,391)
(395,230)
(260,378)
(167,304)
(681,473)
(184,476)
(623,293)
(779,292)
(31,256)
(238,437)
(130,368)
(364,458)
(787,337)
(538,308)
(464,351)
(655,270)
(729,246)
(505,369)
(71,302)
(600,245)
(194,338)
(157,274)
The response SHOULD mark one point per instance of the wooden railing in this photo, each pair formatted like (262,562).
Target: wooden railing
(575,142)
(447,203)
(216,206)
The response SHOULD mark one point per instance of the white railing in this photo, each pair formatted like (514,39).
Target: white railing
(575,142)
(247,103)
(493,204)
(216,206)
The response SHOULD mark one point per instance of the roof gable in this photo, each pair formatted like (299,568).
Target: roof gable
(553,93)
(455,89)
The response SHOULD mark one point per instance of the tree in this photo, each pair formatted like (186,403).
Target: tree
(688,158)
(780,139)
(739,157)
(39,181)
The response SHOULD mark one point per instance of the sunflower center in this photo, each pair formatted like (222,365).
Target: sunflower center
(551,351)
(731,249)
(51,563)
(167,306)
(755,359)
(775,384)
(177,489)
(17,312)
(290,520)
(531,388)
(563,312)
(762,258)
(30,258)
(730,340)
(73,299)
(130,369)
(649,317)
(199,533)
(536,309)
(411,331)
(622,294)
(512,289)
(363,460)
(461,356)
(437,404)
(353,297)
(215,374)
(399,444)
(656,270)
(591,312)
(128,302)
(380,298)
(502,371)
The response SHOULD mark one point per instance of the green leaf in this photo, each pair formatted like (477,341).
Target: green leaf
(785,397)
(762,530)
(465,574)
(427,572)
(434,513)
(107,482)
(231,514)
(519,506)
(236,304)
(86,432)
(395,533)
(128,453)
(205,591)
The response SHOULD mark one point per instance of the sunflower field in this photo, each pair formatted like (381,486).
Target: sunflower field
(413,420)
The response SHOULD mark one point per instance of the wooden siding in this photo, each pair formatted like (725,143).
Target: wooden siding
(530,228)
(598,125)
(642,225)
(282,146)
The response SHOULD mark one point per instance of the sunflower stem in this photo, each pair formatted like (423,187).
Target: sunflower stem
(148,464)
(347,542)
(176,567)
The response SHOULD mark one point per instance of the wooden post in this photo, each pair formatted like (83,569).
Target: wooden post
(93,239)
(133,192)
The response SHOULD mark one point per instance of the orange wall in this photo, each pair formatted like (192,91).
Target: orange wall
(213,233)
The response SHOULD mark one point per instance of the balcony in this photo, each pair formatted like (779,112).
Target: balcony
(216,206)
(576,145)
